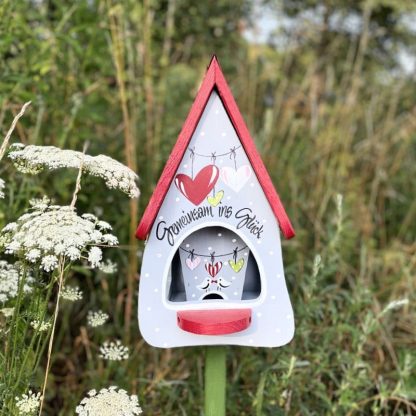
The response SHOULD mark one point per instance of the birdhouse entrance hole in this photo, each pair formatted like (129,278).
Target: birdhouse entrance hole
(213,264)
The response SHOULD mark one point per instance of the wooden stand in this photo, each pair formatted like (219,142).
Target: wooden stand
(215,376)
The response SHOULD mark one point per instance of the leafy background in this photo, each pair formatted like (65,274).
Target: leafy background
(330,104)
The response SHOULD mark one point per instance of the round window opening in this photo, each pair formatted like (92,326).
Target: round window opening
(213,264)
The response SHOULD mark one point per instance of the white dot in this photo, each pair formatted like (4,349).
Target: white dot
(228,197)
(202,133)
(259,315)
(221,161)
(205,260)
(185,166)
(159,255)
(223,134)
(278,330)
(273,297)
(156,290)
(210,248)
(252,184)
(157,329)
(235,293)
(217,111)
(271,253)
(165,344)
(177,199)
(149,308)
(288,316)
(250,203)
(279,276)
(264,221)
(234,240)
(232,277)
(196,277)
(258,241)
(146,275)
(219,235)
(161,217)
(250,341)
(187,245)
(246,254)
(193,295)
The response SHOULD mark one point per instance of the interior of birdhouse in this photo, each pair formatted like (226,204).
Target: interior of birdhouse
(213,264)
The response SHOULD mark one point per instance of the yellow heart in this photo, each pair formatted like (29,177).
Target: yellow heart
(216,199)
(236,266)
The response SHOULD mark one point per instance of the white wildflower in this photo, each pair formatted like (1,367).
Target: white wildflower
(97,318)
(394,304)
(103,225)
(2,186)
(50,232)
(71,293)
(108,267)
(7,312)
(40,326)
(33,159)
(111,401)
(49,263)
(10,275)
(95,256)
(114,351)
(40,203)
(28,404)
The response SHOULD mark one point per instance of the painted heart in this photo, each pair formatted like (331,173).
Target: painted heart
(236,266)
(236,179)
(193,264)
(213,269)
(216,199)
(196,190)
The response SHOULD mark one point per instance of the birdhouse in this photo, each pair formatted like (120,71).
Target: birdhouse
(212,269)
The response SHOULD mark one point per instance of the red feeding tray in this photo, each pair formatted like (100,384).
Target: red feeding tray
(214,322)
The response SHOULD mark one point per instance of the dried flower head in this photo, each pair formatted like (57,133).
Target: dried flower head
(71,293)
(2,186)
(40,326)
(110,401)
(49,233)
(7,312)
(10,276)
(28,404)
(114,351)
(97,318)
(33,159)
(108,267)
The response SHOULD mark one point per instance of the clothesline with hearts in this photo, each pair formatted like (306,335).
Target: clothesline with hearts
(192,252)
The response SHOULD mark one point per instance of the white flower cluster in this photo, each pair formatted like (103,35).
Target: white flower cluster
(96,318)
(40,326)
(33,159)
(108,267)
(114,351)
(10,275)
(110,401)
(7,312)
(52,232)
(71,293)
(2,186)
(28,404)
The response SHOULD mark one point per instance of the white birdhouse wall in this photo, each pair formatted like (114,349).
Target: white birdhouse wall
(215,244)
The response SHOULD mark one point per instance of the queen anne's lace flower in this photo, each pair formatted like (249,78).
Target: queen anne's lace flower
(33,159)
(45,234)
(28,404)
(10,275)
(71,293)
(40,326)
(108,267)
(7,312)
(110,401)
(96,318)
(114,351)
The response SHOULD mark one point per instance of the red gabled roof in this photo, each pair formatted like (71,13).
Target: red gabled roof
(214,78)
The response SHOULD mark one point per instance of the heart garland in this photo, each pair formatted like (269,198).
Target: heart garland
(213,269)
(236,178)
(236,266)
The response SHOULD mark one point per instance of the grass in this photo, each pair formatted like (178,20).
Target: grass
(118,75)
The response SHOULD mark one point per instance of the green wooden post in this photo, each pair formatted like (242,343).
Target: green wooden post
(215,376)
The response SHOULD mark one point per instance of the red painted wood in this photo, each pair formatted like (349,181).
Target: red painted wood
(214,78)
(214,321)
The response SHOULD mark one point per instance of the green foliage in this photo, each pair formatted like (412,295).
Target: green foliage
(330,116)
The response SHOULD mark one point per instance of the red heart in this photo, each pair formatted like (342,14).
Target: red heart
(197,189)
(213,269)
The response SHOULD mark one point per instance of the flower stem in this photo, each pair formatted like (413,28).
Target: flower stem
(215,375)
